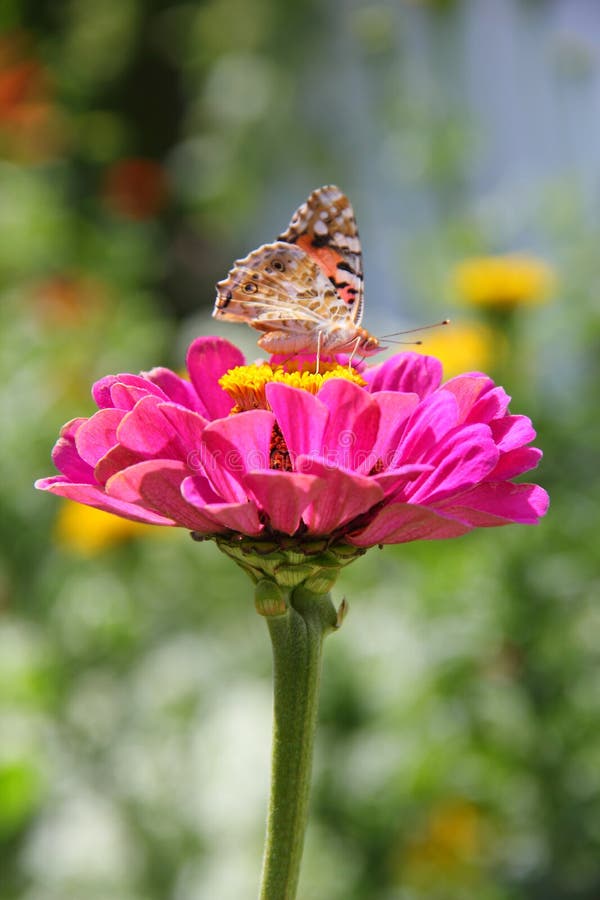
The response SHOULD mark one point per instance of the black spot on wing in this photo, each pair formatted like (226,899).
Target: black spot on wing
(338,284)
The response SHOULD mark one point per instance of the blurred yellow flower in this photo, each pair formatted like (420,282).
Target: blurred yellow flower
(451,837)
(503,281)
(89,531)
(464,347)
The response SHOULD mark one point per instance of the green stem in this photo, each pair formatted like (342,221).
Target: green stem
(297,639)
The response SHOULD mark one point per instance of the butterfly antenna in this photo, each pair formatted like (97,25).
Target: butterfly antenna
(385,337)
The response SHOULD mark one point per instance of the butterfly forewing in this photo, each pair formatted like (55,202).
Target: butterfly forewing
(325,228)
(278,282)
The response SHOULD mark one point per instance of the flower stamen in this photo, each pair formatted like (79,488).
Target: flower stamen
(246,385)
(279,455)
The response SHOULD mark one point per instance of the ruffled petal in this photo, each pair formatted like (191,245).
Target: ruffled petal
(395,410)
(242,517)
(107,395)
(112,462)
(156,429)
(427,426)
(126,394)
(283,496)
(232,447)
(352,425)
(301,416)
(65,455)
(344,496)
(512,432)
(412,373)
(399,523)
(177,389)
(492,404)
(91,495)
(157,484)
(468,389)
(514,463)
(98,434)
(393,480)
(464,458)
(207,360)
(498,503)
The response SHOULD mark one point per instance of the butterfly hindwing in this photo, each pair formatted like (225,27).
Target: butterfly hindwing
(325,228)
(278,283)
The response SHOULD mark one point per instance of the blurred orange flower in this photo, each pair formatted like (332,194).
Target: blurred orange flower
(31,125)
(503,281)
(88,531)
(135,188)
(68,299)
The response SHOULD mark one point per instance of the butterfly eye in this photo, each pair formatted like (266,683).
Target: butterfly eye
(278,265)
(250,287)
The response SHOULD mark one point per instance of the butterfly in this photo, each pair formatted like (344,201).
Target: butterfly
(305,291)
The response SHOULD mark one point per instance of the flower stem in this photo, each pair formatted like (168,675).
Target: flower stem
(297,639)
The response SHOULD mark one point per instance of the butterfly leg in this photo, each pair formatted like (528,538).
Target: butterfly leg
(318,353)
(353,354)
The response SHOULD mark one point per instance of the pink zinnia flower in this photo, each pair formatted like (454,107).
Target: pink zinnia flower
(388,457)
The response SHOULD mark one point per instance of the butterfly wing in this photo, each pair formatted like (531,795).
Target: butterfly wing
(325,228)
(279,289)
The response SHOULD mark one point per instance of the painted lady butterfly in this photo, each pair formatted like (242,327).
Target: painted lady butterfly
(305,291)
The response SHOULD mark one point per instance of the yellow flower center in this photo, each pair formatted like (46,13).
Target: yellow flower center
(246,384)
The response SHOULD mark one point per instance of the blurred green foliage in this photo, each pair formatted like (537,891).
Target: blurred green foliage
(143,147)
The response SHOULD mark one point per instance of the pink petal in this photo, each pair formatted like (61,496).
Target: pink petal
(343,496)
(395,410)
(283,496)
(112,462)
(498,503)
(466,457)
(402,522)
(188,425)
(98,435)
(426,427)
(515,462)
(352,425)
(301,416)
(125,395)
(242,517)
(492,404)
(157,429)
(198,491)
(234,446)
(145,431)
(177,389)
(90,495)
(393,479)
(512,432)
(102,391)
(207,360)
(467,389)
(156,484)
(66,457)
(412,373)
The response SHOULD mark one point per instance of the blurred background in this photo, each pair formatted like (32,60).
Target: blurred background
(143,147)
